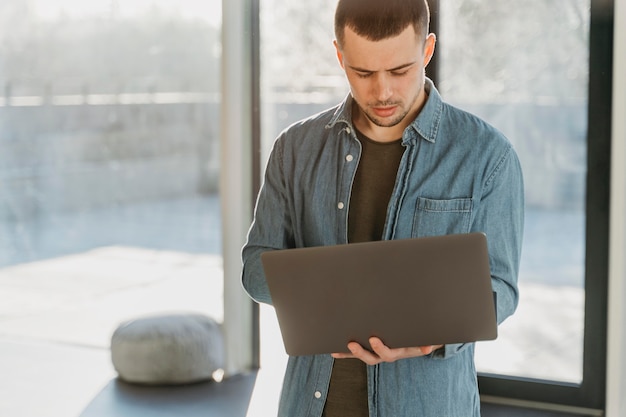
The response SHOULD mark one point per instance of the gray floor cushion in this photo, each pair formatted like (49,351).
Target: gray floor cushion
(167,349)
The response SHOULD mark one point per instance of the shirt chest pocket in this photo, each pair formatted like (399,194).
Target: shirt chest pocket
(441,217)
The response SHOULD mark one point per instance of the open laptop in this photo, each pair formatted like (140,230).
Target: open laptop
(410,292)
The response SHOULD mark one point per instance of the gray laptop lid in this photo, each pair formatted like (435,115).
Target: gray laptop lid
(411,292)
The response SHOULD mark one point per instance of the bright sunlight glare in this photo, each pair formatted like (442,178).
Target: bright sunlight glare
(208,10)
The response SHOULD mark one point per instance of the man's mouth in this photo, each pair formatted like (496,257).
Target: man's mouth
(384,111)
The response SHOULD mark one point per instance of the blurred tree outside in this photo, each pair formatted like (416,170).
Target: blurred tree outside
(297,52)
(152,52)
(514,51)
(102,111)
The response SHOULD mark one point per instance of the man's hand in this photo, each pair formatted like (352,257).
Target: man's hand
(382,353)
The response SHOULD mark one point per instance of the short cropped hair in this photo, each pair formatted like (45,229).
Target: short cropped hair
(376,20)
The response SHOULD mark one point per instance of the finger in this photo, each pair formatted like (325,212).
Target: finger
(342,355)
(381,349)
(388,354)
(427,350)
(391,355)
(364,355)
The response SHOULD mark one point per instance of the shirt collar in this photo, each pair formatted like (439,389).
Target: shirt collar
(343,114)
(426,124)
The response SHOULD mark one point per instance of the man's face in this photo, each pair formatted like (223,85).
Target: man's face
(386,79)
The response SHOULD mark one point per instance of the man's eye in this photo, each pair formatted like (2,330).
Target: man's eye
(399,73)
(364,74)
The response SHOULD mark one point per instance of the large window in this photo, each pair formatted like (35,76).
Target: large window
(528,71)
(300,74)
(109,164)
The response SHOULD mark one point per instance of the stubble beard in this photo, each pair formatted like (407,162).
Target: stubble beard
(391,123)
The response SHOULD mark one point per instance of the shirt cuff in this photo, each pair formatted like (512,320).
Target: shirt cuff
(448,351)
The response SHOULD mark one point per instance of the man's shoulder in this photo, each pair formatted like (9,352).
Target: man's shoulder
(469,124)
(312,131)
(317,120)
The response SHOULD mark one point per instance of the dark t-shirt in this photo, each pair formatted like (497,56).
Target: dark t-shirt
(371,191)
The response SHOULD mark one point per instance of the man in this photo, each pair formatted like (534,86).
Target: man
(392,161)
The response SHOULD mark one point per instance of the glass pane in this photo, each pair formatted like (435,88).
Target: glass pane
(526,72)
(109,163)
(300,74)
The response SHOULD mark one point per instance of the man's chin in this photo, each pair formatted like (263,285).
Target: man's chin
(385,122)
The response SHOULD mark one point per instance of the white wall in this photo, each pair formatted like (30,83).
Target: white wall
(616,377)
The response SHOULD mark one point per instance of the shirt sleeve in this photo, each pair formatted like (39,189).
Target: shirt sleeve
(271,227)
(500,215)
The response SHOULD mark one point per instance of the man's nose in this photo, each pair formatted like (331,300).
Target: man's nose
(383,87)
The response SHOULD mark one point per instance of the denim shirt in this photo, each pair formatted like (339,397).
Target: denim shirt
(457,175)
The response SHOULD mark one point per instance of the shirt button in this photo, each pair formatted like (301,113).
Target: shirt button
(349,158)
(318,395)
(341,206)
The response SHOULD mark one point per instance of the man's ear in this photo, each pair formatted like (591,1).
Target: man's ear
(429,48)
(339,54)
